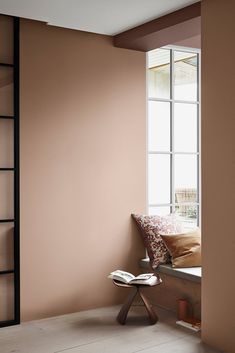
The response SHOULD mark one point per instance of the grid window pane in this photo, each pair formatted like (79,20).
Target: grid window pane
(6,297)
(6,143)
(185,178)
(173,144)
(6,91)
(159,126)
(6,246)
(6,39)
(185,76)
(159,73)
(188,215)
(160,211)
(185,127)
(6,195)
(159,178)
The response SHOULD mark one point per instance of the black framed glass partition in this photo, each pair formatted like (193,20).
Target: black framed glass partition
(9,172)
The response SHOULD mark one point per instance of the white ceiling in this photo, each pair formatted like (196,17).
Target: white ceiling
(99,16)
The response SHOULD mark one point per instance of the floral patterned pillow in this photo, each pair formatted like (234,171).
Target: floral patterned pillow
(151,227)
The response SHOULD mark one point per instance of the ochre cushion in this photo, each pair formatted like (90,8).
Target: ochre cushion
(184,248)
(151,227)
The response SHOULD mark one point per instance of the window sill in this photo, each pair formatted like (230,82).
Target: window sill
(193,274)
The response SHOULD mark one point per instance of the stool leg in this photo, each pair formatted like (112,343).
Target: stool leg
(151,313)
(121,318)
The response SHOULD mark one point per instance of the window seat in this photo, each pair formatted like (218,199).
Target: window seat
(193,274)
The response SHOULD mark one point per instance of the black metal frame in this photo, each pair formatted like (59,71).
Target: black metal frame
(15,170)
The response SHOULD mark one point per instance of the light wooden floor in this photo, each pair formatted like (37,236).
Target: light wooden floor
(96,331)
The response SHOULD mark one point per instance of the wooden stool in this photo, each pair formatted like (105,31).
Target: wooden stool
(136,289)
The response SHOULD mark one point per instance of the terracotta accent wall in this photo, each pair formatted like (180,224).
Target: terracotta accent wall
(218,173)
(82,108)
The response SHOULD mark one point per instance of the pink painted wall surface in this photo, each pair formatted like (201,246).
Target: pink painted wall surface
(193,42)
(218,174)
(82,108)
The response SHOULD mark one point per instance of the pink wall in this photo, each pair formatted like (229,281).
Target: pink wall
(193,42)
(82,108)
(218,174)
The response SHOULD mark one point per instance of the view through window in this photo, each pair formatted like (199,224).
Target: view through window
(174,133)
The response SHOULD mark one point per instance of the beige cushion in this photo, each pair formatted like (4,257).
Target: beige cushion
(184,248)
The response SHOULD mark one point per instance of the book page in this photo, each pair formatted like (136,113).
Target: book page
(144,276)
(124,275)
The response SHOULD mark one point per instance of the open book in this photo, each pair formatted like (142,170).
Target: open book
(128,278)
(191,323)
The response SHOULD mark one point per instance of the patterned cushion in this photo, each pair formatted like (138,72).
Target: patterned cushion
(151,227)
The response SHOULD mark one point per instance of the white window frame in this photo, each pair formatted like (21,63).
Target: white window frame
(172,153)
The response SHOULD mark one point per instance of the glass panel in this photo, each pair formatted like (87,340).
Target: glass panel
(6,195)
(160,211)
(159,178)
(6,143)
(185,127)
(185,178)
(159,126)
(188,214)
(6,297)
(6,91)
(6,39)
(6,246)
(185,76)
(159,73)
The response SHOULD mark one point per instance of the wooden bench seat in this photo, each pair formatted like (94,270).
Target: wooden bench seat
(193,274)
(177,283)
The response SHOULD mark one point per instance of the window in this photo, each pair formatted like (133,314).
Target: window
(174,133)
